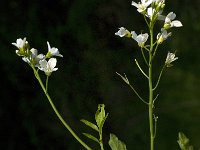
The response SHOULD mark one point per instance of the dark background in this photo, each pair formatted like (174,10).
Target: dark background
(83,31)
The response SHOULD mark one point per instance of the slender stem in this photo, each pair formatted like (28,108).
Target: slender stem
(141,69)
(144,57)
(101,144)
(151,123)
(101,140)
(56,111)
(154,53)
(146,20)
(47,81)
(158,81)
(138,94)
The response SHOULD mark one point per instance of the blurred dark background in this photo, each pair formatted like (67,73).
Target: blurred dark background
(83,31)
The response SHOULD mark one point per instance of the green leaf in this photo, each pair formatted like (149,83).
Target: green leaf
(102,122)
(116,144)
(90,124)
(100,114)
(91,137)
(184,142)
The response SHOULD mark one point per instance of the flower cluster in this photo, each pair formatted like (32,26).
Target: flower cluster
(31,56)
(152,10)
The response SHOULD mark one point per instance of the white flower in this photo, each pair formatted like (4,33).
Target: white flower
(34,58)
(163,36)
(170,58)
(151,11)
(170,22)
(48,67)
(123,32)
(52,51)
(142,6)
(20,43)
(141,38)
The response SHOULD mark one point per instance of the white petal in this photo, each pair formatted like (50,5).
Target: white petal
(134,35)
(146,36)
(161,17)
(158,35)
(176,23)
(148,3)
(43,65)
(134,4)
(150,11)
(54,69)
(53,50)
(34,51)
(25,59)
(49,47)
(40,56)
(122,32)
(171,16)
(52,63)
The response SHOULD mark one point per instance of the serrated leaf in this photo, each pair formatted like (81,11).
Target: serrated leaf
(90,124)
(116,144)
(91,137)
(100,114)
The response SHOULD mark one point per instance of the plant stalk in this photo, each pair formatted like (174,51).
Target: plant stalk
(56,111)
(151,123)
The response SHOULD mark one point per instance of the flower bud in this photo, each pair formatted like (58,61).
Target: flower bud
(166,26)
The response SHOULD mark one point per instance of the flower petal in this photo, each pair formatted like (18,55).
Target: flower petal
(171,16)
(176,23)
(43,65)
(52,63)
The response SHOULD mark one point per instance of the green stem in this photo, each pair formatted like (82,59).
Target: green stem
(158,81)
(47,81)
(101,145)
(56,111)
(101,139)
(138,95)
(141,69)
(151,123)
(144,57)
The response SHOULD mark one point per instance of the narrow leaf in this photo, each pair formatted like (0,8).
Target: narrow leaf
(116,144)
(91,137)
(90,124)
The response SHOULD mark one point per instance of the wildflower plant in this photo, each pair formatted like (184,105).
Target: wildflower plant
(152,11)
(47,64)
(149,43)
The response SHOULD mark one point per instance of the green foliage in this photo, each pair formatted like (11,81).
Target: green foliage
(90,124)
(116,144)
(184,142)
(100,117)
(91,137)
